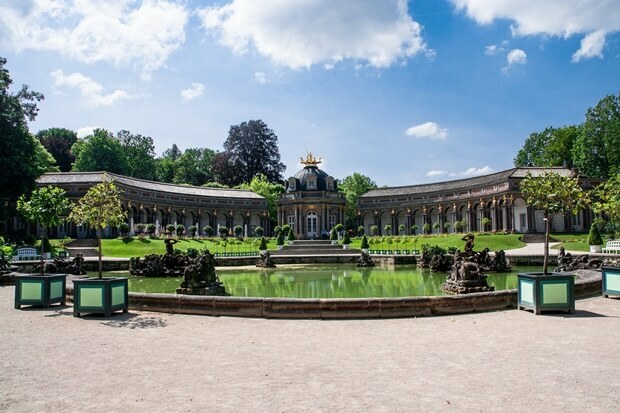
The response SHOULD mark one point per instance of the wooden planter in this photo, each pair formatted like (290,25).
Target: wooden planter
(538,292)
(611,281)
(102,296)
(40,290)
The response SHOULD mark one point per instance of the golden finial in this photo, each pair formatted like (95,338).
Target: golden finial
(311,160)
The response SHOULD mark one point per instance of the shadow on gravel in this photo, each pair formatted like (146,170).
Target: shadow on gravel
(133,321)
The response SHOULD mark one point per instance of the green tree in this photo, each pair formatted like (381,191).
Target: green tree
(166,166)
(271,191)
(194,167)
(607,200)
(140,153)
(23,158)
(553,194)
(597,149)
(250,149)
(58,142)
(353,186)
(48,206)
(100,151)
(98,208)
(551,147)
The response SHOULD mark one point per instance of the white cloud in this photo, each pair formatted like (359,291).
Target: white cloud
(473,172)
(435,172)
(89,89)
(429,130)
(86,130)
(193,92)
(550,17)
(299,33)
(591,46)
(515,57)
(138,33)
(260,78)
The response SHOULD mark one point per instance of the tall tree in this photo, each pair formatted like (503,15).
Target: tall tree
(194,167)
(47,206)
(98,208)
(607,200)
(250,149)
(58,142)
(554,194)
(140,153)
(597,150)
(260,185)
(551,147)
(353,186)
(100,151)
(166,165)
(22,157)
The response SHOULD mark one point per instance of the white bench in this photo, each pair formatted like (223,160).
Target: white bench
(27,253)
(612,247)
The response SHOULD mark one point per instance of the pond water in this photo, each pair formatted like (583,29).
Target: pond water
(325,281)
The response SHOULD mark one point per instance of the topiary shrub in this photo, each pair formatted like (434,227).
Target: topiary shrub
(208,230)
(259,231)
(364,245)
(594,237)
(360,231)
(263,244)
(291,235)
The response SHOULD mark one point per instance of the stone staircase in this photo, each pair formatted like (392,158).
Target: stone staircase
(313,248)
(86,247)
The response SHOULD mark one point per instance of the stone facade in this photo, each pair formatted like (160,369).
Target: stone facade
(162,204)
(495,197)
(311,204)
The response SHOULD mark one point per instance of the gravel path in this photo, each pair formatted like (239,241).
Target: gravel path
(153,362)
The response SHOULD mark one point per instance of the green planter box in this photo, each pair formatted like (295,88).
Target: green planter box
(40,290)
(538,292)
(101,296)
(611,281)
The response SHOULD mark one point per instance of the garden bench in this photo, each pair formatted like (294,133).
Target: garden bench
(612,247)
(26,253)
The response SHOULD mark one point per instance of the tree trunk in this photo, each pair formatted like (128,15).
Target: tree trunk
(43,248)
(99,245)
(547,229)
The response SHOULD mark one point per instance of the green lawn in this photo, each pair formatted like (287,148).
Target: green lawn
(135,247)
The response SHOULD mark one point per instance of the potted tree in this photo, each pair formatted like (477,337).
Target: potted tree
(238,230)
(262,248)
(140,229)
(364,245)
(426,228)
(459,225)
(98,208)
(192,229)
(446,226)
(414,228)
(553,194)
(280,240)
(208,231)
(150,229)
(291,236)
(223,231)
(595,241)
(374,230)
(361,231)
(259,231)
(333,236)
(346,240)
(47,206)
(171,229)
(485,223)
(388,229)
(180,230)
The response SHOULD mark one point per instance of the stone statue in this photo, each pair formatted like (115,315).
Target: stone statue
(469,244)
(365,260)
(265,261)
(199,277)
(466,273)
(169,245)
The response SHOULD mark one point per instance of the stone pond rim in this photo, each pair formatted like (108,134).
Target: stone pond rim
(588,284)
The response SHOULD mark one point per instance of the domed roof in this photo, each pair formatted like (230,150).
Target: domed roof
(311,178)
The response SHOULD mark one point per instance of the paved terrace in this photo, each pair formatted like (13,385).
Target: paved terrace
(153,362)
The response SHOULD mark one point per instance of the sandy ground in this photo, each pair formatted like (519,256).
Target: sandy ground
(153,362)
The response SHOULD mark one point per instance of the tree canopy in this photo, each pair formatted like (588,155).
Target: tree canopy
(597,150)
(23,158)
(140,154)
(250,149)
(551,147)
(58,142)
(100,151)
(607,200)
(260,185)
(353,186)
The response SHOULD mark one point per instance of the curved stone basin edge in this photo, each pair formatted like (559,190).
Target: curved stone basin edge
(587,284)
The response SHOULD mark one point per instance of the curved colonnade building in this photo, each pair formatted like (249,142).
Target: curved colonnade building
(312,205)
(163,204)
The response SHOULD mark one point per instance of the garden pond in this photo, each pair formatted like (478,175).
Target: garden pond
(325,281)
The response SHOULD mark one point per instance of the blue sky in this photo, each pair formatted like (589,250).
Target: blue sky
(404,92)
